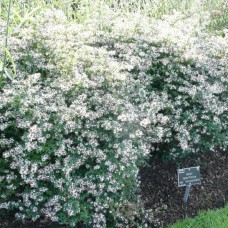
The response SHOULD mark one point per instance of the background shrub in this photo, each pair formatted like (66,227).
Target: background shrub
(177,78)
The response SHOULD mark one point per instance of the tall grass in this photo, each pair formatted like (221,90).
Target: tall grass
(155,8)
(82,10)
(4,69)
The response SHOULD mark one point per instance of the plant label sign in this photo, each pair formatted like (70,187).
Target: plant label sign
(189,176)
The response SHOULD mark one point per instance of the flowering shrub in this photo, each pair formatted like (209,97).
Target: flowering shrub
(65,146)
(180,78)
(90,102)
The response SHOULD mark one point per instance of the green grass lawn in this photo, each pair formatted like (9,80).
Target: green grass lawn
(211,219)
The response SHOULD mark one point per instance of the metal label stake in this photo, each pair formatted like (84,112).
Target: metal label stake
(186,194)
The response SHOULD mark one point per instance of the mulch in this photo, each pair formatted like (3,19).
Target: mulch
(160,192)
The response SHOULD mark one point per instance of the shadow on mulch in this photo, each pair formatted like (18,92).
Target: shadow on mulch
(161,194)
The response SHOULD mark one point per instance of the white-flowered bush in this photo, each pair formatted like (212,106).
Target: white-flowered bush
(70,140)
(90,102)
(177,79)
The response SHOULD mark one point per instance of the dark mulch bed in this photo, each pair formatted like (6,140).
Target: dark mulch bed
(161,194)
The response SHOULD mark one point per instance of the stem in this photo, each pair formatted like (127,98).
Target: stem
(6,35)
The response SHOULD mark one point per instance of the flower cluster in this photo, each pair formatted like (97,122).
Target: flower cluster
(90,102)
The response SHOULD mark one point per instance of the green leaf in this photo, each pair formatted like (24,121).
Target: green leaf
(8,73)
(1,66)
(11,59)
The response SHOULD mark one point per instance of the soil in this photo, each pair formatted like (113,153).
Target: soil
(160,192)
